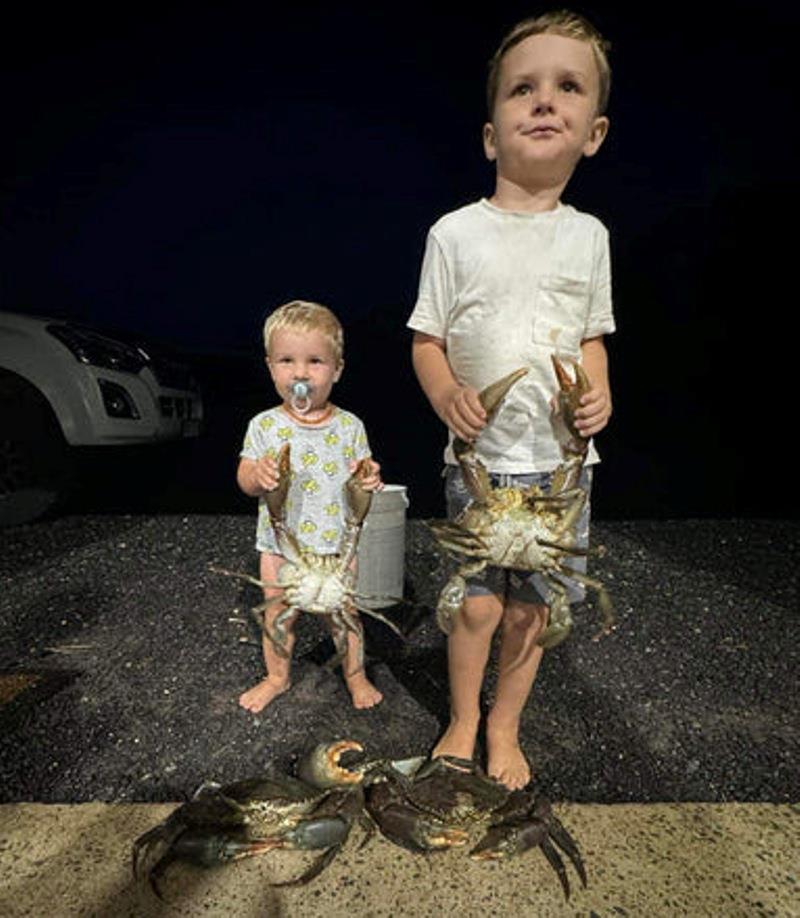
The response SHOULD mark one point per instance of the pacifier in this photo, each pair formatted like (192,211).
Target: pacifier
(300,396)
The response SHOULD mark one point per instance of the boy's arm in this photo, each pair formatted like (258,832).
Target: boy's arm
(458,406)
(595,408)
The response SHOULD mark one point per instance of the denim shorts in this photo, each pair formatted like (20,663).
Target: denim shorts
(523,586)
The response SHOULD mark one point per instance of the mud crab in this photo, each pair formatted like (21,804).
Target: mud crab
(319,584)
(433,805)
(527,529)
(314,811)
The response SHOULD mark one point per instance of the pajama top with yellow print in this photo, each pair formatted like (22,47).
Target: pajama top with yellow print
(321,457)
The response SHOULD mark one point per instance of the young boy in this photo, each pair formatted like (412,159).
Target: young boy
(505,283)
(304,346)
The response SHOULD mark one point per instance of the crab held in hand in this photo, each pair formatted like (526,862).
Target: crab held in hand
(437,805)
(319,584)
(519,528)
(221,824)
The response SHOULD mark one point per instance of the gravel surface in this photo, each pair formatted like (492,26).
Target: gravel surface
(139,653)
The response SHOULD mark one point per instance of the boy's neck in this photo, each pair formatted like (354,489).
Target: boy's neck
(510,195)
(312,418)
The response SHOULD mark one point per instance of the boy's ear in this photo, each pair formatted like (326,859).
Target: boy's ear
(489,147)
(596,136)
(338,371)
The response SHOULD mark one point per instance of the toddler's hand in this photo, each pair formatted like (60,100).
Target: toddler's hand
(463,413)
(372,480)
(594,412)
(265,473)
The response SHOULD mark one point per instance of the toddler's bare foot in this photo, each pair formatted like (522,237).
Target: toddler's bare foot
(457,740)
(255,699)
(507,762)
(362,691)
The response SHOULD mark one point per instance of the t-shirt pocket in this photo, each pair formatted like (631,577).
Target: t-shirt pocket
(563,303)
(559,339)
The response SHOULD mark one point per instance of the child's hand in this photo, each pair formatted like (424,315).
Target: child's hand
(265,473)
(463,413)
(372,480)
(594,412)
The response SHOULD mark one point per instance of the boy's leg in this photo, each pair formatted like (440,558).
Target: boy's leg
(362,691)
(518,664)
(468,648)
(277,681)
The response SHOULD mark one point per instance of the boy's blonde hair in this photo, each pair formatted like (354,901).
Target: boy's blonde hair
(300,315)
(558,22)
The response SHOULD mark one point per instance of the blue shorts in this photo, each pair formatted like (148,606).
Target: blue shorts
(523,586)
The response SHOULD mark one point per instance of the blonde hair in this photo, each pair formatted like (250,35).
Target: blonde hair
(558,22)
(300,315)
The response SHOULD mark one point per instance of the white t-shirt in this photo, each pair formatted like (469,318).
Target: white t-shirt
(320,458)
(506,290)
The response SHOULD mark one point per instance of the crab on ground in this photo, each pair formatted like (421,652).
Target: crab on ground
(319,584)
(524,528)
(220,824)
(432,805)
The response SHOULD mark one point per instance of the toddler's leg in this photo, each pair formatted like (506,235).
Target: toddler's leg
(277,681)
(520,656)
(468,650)
(362,691)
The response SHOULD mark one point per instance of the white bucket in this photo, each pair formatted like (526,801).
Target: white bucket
(382,548)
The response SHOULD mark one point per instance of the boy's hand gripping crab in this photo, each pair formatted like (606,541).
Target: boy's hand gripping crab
(433,807)
(526,529)
(320,584)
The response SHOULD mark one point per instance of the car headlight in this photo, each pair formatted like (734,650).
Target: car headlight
(95,349)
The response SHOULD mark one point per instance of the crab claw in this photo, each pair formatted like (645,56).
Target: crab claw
(475,475)
(569,400)
(276,498)
(321,766)
(359,500)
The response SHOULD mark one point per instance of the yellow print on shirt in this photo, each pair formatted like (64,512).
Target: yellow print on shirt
(330,468)
(331,438)
(332,509)
(310,486)
(349,452)
(266,423)
(308,526)
(308,458)
(330,535)
(285,433)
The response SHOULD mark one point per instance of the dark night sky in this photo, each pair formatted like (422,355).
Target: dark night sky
(181,170)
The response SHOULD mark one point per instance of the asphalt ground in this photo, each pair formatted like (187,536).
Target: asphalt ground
(123,656)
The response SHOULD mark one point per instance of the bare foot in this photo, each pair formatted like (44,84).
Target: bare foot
(507,763)
(255,699)
(458,740)
(362,691)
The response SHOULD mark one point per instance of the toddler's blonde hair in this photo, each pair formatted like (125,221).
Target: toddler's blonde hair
(303,316)
(558,22)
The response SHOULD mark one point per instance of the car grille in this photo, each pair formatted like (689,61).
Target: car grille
(181,408)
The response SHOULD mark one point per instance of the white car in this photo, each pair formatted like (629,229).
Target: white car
(65,385)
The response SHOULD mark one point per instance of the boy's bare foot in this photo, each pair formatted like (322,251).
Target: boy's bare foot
(362,691)
(458,740)
(507,763)
(255,699)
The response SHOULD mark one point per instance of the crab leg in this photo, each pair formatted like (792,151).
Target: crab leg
(254,580)
(567,844)
(603,599)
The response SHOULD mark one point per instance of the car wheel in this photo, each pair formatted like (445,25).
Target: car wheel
(35,464)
